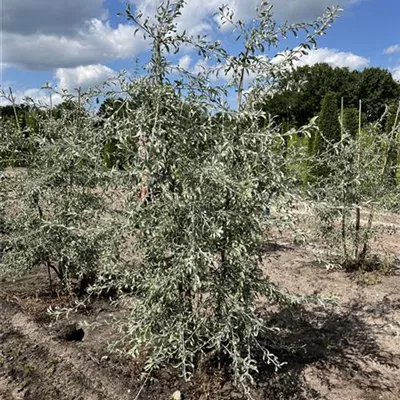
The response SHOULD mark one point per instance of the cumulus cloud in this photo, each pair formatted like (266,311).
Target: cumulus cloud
(42,96)
(48,16)
(83,76)
(48,34)
(68,79)
(38,95)
(392,49)
(333,57)
(305,10)
(184,62)
(396,73)
(197,16)
(96,43)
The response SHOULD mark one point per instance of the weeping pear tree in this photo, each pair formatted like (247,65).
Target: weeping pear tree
(199,181)
(196,169)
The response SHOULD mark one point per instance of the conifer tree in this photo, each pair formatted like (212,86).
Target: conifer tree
(393,155)
(329,132)
(350,121)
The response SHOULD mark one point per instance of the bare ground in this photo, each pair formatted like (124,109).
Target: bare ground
(348,350)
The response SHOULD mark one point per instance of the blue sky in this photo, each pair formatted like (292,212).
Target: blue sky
(82,42)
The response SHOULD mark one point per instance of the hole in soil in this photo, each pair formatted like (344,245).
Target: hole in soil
(71,333)
(76,335)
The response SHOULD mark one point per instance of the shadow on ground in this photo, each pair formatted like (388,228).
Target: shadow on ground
(324,350)
(338,345)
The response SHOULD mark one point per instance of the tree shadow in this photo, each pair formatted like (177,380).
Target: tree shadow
(337,345)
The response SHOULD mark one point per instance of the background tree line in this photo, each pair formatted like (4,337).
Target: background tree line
(300,93)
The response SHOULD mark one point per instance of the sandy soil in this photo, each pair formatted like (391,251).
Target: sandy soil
(349,350)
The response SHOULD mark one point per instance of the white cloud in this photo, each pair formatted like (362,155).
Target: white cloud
(83,76)
(392,49)
(38,95)
(201,66)
(333,57)
(94,44)
(184,62)
(214,71)
(396,73)
(49,34)
(197,16)
(42,96)
(69,79)
(48,16)
(305,10)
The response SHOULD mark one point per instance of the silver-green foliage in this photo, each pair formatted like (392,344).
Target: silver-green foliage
(355,182)
(53,209)
(190,243)
(209,172)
